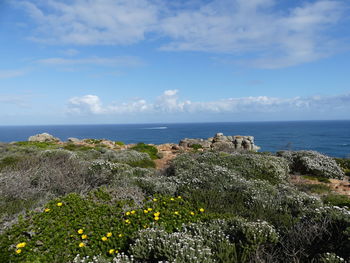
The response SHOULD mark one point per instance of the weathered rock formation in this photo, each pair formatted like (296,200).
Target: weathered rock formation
(43,137)
(220,142)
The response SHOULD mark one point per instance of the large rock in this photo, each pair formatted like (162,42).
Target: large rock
(43,137)
(220,142)
(312,163)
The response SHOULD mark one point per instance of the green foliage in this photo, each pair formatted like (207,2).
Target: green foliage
(77,147)
(196,146)
(8,161)
(315,188)
(317,178)
(145,148)
(40,145)
(53,235)
(119,143)
(337,200)
(143,164)
(344,164)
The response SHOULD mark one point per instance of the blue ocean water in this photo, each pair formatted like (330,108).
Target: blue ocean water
(328,137)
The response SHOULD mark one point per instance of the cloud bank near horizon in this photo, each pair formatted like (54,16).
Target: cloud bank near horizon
(169,103)
(274,37)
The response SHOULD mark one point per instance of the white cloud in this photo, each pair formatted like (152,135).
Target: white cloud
(89,22)
(272,37)
(169,103)
(6,74)
(125,61)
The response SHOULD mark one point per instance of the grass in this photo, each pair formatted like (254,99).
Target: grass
(41,145)
(337,200)
(315,188)
(317,178)
(8,161)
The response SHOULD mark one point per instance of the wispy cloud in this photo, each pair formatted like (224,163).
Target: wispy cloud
(6,74)
(18,100)
(124,61)
(92,22)
(170,103)
(271,37)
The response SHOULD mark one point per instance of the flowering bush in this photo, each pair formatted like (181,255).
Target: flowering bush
(312,163)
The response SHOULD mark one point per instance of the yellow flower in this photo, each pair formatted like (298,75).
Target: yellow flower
(84,237)
(127,213)
(80,231)
(156,214)
(145,211)
(127,221)
(176,212)
(116,251)
(201,210)
(179,197)
(21,245)
(172,199)
(104,238)
(59,204)
(82,244)
(156,218)
(145,226)
(149,209)
(192,213)
(47,210)
(109,234)
(111,251)
(133,212)
(18,251)
(164,203)
(120,235)
(155,200)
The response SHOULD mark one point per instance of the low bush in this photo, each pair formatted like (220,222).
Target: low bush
(41,145)
(145,148)
(75,225)
(119,143)
(337,200)
(312,163)
(315,188)
(317,178)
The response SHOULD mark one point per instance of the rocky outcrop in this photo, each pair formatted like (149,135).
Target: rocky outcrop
(312,163)
(220,142)
(43,137)
(73,140)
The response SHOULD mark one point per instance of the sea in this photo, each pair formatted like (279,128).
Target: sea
(328,137)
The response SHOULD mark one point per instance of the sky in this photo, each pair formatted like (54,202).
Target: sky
(158,61)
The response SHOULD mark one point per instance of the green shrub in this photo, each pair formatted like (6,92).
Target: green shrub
(119,143)
(317,178)
(8,161)
(41,145)
(196,146)
(315,188)
(337,200)
(77,147)
(145,148)
(53,235)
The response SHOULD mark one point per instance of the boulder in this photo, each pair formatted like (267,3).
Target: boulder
(43,137)
(312,163)
(220,142)
(73,140)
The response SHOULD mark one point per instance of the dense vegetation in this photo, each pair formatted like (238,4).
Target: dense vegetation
(78,203)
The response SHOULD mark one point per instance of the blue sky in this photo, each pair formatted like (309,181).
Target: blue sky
(132,61)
